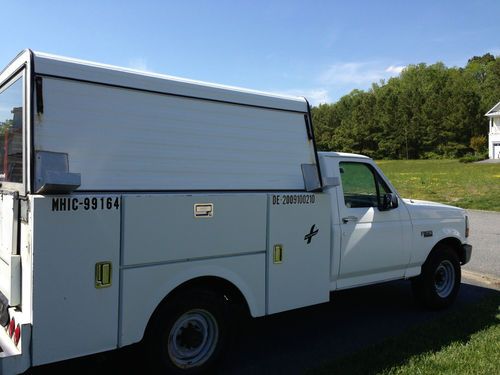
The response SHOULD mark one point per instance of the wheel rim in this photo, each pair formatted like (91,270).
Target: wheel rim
(193,338)
(444,278)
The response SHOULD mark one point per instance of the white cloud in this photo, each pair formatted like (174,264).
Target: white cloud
(340,79)
(138,63)
(315,96)
(395,69)
(351,72)
(358,73)
(318,96)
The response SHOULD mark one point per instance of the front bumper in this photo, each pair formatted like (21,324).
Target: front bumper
(12,359)
(466,254)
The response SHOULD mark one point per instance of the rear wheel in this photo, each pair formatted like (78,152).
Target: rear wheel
(188,333)
(438,284)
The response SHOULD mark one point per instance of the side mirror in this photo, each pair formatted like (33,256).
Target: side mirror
(389,201)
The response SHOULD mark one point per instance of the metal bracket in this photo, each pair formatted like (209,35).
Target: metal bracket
(311,177)
(52,173)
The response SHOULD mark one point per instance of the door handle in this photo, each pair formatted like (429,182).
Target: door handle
(347,219)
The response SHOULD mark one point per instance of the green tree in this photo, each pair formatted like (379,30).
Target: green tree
(428,111)
(479,144)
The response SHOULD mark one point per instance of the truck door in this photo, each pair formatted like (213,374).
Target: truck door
(372,244)
(298,250)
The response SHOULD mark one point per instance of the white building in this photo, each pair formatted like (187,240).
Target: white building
(494,134)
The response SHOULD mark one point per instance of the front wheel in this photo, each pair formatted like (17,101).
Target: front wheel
(188,334)
(438,284)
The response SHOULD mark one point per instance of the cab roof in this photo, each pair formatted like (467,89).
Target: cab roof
(331,154)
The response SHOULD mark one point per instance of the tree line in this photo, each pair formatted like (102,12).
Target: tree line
(428,111)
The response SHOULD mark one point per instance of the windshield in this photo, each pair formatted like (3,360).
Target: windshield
(11,132)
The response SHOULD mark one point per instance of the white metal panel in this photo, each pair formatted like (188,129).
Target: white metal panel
(91,71)
(120,139)
(25,246)
(6,227)
(303,277)
(71,317)
(329,169)
(10,263)
(10,279)
(145,287)
(162,228)
(441,228)
(443,220)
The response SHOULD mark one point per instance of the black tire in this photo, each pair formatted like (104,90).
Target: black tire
(188,333)
(438,284)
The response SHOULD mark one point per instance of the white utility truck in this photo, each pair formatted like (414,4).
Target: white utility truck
(137,207)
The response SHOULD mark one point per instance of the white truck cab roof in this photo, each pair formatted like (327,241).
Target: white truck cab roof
(341,155)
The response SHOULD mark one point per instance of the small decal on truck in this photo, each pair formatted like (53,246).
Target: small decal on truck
(287,199)
(426,233)
(308,237)
(85,204)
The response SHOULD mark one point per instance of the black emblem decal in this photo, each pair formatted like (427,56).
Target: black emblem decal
(308,237)
(426,233)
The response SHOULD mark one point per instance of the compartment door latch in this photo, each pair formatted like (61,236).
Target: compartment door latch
(278,254)
(103,275)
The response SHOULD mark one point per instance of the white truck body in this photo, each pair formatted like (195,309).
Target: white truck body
(132,186)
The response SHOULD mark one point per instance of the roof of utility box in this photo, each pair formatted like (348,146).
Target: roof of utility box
(58,66)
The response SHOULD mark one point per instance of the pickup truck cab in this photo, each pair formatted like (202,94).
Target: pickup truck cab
(142,208)
(384,237)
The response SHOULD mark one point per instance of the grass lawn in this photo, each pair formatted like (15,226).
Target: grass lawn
(462,342)
(468,185)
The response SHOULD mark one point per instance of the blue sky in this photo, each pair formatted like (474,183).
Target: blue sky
(318,49)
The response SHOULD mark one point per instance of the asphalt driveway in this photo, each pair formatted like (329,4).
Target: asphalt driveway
(485,241)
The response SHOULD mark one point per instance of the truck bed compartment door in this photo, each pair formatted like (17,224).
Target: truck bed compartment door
(76,253)
(298,251)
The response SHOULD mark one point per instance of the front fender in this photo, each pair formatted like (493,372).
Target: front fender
(424,242)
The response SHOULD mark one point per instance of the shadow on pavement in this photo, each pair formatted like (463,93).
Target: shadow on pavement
(419,343)
(301,340)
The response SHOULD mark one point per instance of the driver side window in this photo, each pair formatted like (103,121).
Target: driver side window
(361,185)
